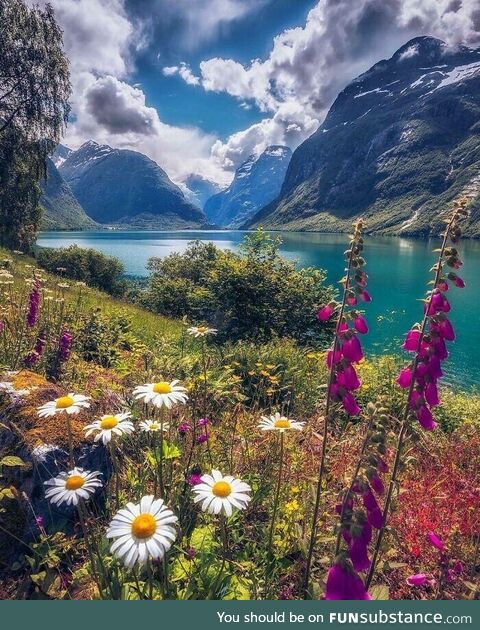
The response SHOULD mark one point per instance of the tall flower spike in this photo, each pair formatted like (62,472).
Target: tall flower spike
(427,343)
(345,352)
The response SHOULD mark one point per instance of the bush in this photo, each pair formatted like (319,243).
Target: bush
(86,265)
(252,295)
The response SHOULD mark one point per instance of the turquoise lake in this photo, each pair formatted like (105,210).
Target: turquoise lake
(398,270)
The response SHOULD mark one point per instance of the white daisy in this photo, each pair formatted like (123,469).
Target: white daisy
(154,425)
(201,331)
(70,487)
(142,531)
(277,422)
(110,425)
(219,493)
(71,403)
(161,393)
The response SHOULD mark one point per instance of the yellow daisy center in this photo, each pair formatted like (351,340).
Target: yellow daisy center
(154,426)
(162,388)
(109,422)
(202,329)
(74,482)
(282,423)
(221,489)
(64,402)
(144,526)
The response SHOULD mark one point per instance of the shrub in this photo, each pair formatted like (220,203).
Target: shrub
(86,265)
(252,295)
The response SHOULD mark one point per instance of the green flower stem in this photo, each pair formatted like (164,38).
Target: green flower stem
(322,467)
(274,515)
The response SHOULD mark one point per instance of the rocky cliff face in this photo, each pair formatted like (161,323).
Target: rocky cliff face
(397,146)
(257,181)
(118,186)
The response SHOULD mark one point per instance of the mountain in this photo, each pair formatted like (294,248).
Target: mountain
(119,186)
(61,211)
(60,154)
(257,181)
(398,145)
(200,189)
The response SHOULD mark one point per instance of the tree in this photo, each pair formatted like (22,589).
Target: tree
(34,92)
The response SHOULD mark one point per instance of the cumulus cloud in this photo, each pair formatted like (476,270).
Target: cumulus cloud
(101,41)
(184,71)
(309,65)
(119,107)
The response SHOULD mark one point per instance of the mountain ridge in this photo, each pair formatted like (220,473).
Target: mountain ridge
(125,187)
(399,143)
(256,182)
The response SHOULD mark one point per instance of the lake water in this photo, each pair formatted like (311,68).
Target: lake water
(398,270)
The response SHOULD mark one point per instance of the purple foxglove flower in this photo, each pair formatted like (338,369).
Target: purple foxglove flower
(445,329)
(404,379)
(352,349)
(34,305)
(431,394)
(183,428)
(424,416)
(351,300)
(342,327)
(442,286)
(358,553)
(375,518)
(366,535)
(335,392)
(325,313)
(411,340)
(202,422)
(64,346)
(418,579)
(434,540)
(434,367)
(343,583)
(459,282)
(330,359)
(365,296)
(440,348)
(377,484)
(369,500)
(360,324)
(201,439)
(350,405)
(348,378)
(382,465)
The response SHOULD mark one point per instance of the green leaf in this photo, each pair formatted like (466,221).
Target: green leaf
(12,460)
(170,451)
(380,592)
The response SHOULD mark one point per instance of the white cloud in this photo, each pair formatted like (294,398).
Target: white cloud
(184,71)
(98,38)
(308,66)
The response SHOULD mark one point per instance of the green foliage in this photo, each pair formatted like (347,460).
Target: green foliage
(254,295)
(85,265)
(101,338)
(34,92)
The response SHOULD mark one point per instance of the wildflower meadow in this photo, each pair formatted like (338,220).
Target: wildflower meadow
(146,457)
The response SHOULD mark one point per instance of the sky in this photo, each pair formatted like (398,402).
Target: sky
(199,85)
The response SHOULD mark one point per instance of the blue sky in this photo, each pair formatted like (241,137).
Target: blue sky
(199,85)
(251,37)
